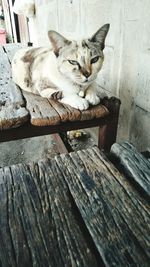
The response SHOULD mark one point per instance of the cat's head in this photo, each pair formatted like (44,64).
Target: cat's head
(79,61)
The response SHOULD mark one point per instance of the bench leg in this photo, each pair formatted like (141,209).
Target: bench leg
(108,131)
(64,138)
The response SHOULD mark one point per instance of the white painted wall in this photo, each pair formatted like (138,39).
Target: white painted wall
(126,71)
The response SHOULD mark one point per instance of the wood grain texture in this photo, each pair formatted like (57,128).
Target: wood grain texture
(98,111)
(73,114)
(133,163)
(12,110)
(41,112)
(74,210)
(45,112)
(38,226)
(117,217)
(60,109)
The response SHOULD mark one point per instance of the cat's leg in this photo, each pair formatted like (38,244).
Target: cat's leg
(91,94)
(52,93)
(75,101)
(47,89)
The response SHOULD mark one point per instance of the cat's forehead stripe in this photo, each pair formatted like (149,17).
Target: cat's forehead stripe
(83,59)
(87,48)
(84,44)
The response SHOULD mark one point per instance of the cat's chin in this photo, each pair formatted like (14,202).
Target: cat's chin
(83,83)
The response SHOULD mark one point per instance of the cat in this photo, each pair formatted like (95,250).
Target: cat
(67,71)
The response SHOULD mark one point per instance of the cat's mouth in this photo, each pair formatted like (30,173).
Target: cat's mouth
(88,81)
(84,82)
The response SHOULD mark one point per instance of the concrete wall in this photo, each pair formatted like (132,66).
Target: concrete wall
(126,71)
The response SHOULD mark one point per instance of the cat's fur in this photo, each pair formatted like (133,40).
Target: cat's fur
(68,70)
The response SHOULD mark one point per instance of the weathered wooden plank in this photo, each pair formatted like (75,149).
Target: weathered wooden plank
(5,238)
(12,116)
(49,112)
(98,111)
(4,65)
(73,114)
(12,110)
(41,227)
(35,198)
(134,164)
(41,112)
(61,110)
(117,217)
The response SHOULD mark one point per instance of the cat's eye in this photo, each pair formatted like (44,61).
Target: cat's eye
(94,60)
(73,62)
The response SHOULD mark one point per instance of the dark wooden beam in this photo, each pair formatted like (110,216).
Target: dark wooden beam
(28,130)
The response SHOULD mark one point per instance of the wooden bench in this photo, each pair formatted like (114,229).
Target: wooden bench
(134,165)
(74,210)
(25,115)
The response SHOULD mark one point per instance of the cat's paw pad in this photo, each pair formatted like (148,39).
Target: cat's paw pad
(93,99)
(76,102)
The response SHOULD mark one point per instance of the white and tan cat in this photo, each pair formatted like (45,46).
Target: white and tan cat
(67,71)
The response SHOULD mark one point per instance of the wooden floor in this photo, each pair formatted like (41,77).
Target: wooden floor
(74,210)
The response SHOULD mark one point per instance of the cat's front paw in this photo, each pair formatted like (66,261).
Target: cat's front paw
(92,98)
(76,102)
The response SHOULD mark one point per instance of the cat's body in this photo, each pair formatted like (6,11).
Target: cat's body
(67,71)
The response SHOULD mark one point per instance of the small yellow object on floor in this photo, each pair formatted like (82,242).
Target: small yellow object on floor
(76,134)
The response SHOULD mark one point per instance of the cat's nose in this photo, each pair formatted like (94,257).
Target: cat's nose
(86,74)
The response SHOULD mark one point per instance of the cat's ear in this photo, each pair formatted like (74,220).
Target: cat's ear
(100,35)
(57,41)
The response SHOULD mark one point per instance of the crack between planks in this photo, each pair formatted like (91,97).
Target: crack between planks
(52,217)
(82,224)
(126,147)
(108,168)
(25,236)
(8,220)
(35,209)
(136,208)
(56,109)
(117,180)
(122,217)
(22,222)
(134,236)
(101,199)
(62,213)
(138,160)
